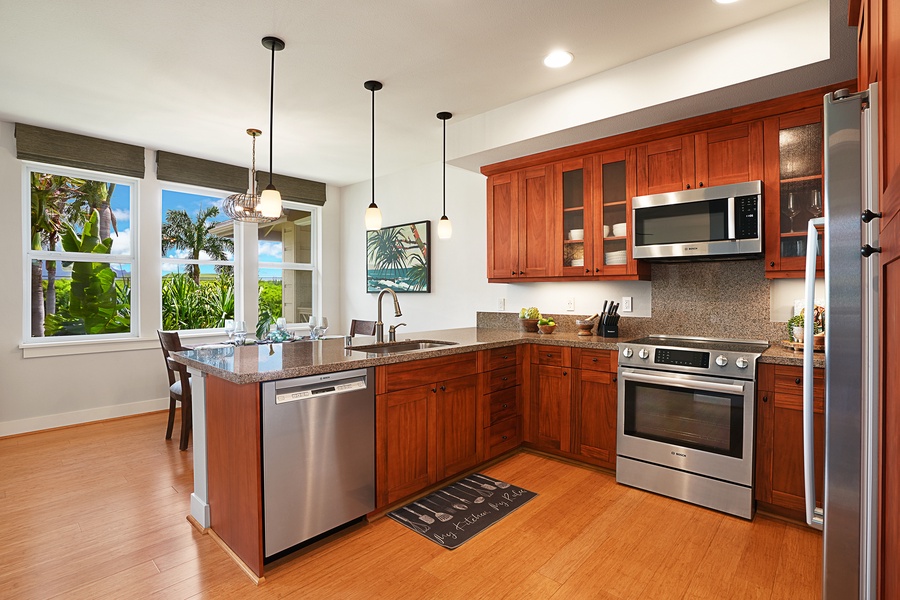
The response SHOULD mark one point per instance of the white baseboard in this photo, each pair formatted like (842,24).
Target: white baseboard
(81,416)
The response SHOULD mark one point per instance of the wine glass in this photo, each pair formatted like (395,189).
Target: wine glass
(229,328)
(815,205)
(791,209)
(321,327)
(313,328)
(240,333)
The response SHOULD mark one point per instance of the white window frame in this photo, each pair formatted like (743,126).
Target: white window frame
(168,186)
(312,266)
(132,259)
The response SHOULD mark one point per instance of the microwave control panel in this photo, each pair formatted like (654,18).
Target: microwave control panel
(747,217)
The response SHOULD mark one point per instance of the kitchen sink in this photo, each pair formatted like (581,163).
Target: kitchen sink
(398,347)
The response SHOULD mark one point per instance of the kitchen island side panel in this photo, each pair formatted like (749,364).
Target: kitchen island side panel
(235,468)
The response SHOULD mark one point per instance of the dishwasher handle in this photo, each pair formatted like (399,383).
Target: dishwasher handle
(330,384)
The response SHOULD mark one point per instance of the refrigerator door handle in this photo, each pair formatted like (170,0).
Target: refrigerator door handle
(814,516)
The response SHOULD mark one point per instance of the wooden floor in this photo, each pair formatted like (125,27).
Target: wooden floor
(98,511)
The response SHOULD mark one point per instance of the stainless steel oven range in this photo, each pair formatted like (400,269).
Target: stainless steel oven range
(686,419)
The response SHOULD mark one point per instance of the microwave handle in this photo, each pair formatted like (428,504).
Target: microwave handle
(732,232)
(693,384)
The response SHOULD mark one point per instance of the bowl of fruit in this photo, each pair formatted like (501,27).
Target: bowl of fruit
(546,325)
(528,319)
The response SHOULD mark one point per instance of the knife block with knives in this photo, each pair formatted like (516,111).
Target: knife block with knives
(609,320)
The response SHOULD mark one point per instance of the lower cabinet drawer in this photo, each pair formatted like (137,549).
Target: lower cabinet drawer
(500,379)
(504,404)
(503,436)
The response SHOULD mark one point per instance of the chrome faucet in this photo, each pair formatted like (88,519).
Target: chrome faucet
(379,324)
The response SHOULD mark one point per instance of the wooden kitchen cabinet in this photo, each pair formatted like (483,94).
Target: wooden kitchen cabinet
(501,401)
(615,184)
(595,406)
(720,156)
(794,147)
(520,223)
(572,195)
(551,398)
(425,430)
(779,438)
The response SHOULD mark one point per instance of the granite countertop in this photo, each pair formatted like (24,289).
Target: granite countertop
(251,364)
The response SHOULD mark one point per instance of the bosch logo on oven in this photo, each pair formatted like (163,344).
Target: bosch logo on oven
(681,454)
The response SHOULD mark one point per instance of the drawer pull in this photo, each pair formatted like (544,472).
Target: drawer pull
(504,378)
(549,355)
(797,381)
(505,405)
(505,356)
(594,359)
(505,437)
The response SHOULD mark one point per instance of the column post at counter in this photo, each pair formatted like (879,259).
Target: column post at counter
(200,495)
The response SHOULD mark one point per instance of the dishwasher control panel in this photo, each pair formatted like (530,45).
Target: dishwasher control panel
(302,394)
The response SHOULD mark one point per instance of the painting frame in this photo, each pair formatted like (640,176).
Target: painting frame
(398,257)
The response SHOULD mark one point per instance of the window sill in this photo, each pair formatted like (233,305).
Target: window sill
(70,347)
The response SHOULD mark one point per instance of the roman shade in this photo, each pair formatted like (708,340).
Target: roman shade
(73,150)
(220,176)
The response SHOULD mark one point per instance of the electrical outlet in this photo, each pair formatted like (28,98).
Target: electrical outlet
(626,304)
(501,303)
(570,304)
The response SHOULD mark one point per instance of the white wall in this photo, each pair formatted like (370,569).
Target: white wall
(459,265)
(96,381)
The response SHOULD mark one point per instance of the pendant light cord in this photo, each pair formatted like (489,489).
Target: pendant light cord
(373,145)
(271,111)
(444,213)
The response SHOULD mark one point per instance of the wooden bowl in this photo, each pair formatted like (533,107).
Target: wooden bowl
(546,328)
(584,327)
(529,325)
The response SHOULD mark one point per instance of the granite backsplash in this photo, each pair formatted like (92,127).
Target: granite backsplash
(720,299)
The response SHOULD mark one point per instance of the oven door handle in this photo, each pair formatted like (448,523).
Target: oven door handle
(693,384)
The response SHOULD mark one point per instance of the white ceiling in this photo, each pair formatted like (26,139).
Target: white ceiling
(191,75)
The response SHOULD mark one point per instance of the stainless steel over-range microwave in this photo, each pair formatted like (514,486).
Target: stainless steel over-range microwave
(723,221)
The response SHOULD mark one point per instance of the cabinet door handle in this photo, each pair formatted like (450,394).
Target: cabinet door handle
(443,388)
(597,270)
(765,398)
(565,373)
(772,263)
(434,390)
(701,184)
(798,381)
(688,187)
(514,273)
(615,379)
(521,272)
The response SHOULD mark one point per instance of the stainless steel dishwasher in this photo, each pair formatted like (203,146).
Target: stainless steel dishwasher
(318,439)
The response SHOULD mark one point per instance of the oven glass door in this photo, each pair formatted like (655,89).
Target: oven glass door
(702,221)
(700,424)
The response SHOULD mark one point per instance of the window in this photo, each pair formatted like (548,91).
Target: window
(80,256)
(198,262)
(287,272)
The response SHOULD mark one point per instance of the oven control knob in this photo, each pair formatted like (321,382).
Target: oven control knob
(644,353)
(627,352)
(741,363)
(721,361)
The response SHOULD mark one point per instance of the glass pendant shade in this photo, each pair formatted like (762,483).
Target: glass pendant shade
(445,228)
(373,217)
(270,203)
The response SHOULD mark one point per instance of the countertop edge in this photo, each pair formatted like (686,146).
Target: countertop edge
(773,355)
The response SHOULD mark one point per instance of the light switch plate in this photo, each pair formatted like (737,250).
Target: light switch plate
(570,304)
(626,304)
(501,303)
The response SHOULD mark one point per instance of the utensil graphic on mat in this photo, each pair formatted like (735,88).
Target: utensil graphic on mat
(500,484)
(455,505)
(440,503)
(441,516)
(417,526)
(423,518)
(478,493)
(482,485)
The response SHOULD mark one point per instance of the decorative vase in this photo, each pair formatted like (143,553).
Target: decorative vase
(529,325)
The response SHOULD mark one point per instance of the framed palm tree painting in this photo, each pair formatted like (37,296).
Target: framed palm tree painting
(398,258)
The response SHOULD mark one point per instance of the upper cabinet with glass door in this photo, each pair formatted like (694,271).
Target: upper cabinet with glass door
(793,193)
(575,235)
(614,187)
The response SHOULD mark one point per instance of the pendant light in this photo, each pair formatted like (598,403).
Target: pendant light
(245,207)
(270,200)
(373,213)
(445,228)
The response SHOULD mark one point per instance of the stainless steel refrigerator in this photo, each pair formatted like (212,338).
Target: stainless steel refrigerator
(849,513)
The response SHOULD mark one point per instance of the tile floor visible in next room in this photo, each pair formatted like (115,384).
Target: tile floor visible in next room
(98,511)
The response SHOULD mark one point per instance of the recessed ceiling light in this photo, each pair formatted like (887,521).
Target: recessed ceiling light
(558,58)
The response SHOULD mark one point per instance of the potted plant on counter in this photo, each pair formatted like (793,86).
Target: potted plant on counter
(528,319)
